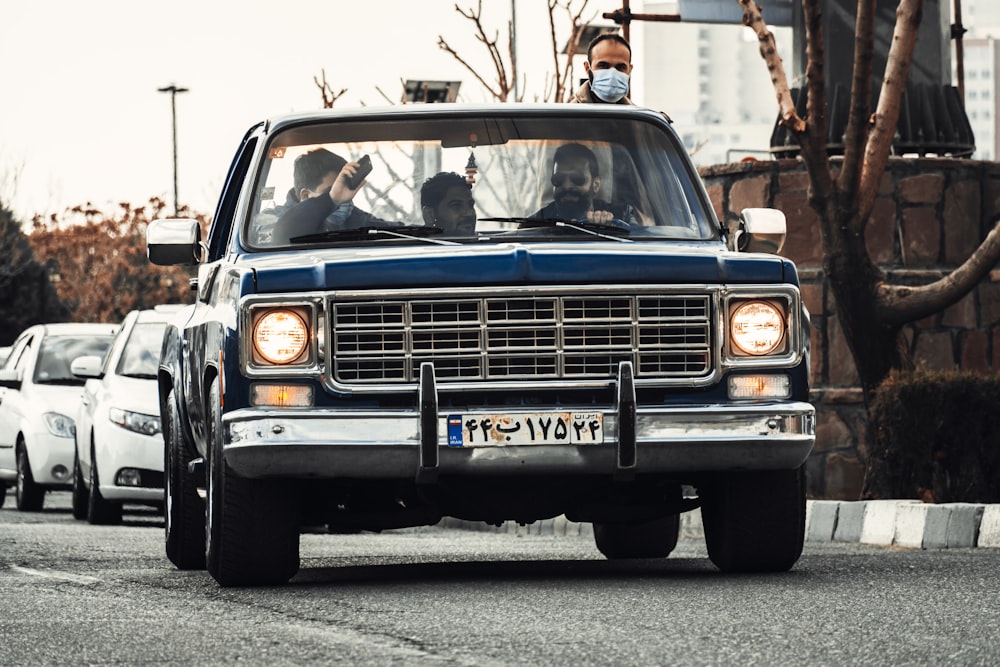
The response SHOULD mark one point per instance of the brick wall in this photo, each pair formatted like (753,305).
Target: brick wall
(929,216)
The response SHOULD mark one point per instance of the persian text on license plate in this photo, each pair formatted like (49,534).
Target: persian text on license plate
(536,428)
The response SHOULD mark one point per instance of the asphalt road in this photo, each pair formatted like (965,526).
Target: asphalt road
(71,594)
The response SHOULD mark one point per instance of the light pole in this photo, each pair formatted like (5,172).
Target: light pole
(173,90)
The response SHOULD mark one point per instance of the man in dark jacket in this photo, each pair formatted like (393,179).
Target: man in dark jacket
(321,198)
(576,180)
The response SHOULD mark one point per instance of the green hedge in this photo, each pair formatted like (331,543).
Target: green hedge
(936,438)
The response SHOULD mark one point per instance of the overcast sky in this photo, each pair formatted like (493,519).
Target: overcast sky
(81,119)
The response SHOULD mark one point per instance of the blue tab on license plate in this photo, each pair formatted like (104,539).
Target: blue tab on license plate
(536,428)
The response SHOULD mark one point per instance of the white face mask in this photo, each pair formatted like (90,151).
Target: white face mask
(609,85)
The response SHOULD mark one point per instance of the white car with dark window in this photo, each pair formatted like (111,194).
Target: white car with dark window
(119,449)
(38,399)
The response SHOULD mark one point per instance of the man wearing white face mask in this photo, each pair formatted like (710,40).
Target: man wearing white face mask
(608,65)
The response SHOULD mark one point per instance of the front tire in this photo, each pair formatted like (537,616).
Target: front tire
(100,512)
(755,521)
(184,510)
(651,539)
(251,525)
(30,496)
(81,496)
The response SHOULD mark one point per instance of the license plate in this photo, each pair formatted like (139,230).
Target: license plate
(536,428)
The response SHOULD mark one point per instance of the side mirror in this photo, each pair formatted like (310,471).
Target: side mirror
(11,379)
(88,366)
(171,241)
(760,230)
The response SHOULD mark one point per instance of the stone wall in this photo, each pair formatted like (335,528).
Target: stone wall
(929,216)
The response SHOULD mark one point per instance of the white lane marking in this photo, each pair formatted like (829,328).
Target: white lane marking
(60,576)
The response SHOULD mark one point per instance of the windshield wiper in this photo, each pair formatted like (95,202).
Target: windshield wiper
(614,230)
(411,232)
(140,376)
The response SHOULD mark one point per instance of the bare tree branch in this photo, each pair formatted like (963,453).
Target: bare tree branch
(811,134)
(329,97)
(503,89)
(897,69)
(786,105)
(472,70)
(900,304)
(861,99)
(814,149)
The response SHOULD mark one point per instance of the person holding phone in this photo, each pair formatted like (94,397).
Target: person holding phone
(322,196)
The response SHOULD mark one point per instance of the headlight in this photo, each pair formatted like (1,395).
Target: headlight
(135,421)
(59,424)
(280,336)
(757,327)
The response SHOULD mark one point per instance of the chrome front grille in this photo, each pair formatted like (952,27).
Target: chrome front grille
(521,337)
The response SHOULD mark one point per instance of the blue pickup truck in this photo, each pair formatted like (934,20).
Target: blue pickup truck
(489,312)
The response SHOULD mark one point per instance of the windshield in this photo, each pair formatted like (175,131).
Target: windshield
(58,352)
(141,354)
(463,179)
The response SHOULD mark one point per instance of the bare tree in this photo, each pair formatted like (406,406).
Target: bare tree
(871,309)
(501,88)
(329,97)
(559,86)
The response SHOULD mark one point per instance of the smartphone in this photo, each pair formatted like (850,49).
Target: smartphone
(364,168)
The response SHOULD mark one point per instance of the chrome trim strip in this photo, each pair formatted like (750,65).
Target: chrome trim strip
(327,443)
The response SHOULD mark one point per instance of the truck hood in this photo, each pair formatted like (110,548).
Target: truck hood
(513,264)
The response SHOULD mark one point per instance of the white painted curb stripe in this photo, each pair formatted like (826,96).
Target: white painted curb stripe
(55,574)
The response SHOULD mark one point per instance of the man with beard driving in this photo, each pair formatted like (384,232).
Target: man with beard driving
(576,180)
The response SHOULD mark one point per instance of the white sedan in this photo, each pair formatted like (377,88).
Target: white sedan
(38,400)
(119,449)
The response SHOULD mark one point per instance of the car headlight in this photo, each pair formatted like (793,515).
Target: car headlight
(59,424)
(135,421)
(280,336)
(757,327)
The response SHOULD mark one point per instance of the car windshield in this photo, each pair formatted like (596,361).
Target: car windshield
(464,178)
(141,354)
(59,351)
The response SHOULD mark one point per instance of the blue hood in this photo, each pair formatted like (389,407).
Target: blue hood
(513,264)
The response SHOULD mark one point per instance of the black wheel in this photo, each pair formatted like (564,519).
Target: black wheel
(184,510)
(81,496)
(100,511)
(30,496)
(652,539)
(251,525)
(3,494)
(755,521)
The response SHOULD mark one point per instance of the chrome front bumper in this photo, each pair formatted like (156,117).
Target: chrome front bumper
(330,443)
(365,444)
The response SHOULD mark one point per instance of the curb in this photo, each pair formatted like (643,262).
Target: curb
(904,523)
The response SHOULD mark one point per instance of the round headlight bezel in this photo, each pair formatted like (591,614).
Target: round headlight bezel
(280,336)
(757,328)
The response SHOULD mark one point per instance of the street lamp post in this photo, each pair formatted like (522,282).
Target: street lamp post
(173,90)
